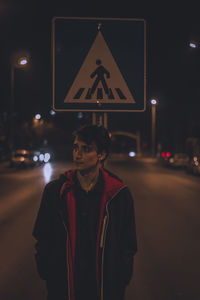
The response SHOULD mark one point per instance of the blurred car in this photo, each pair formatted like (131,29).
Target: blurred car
(29,158)
(196,167)
(122,147)
(178,160)
(164,158)
(22,158)
(130,154)
(193,166)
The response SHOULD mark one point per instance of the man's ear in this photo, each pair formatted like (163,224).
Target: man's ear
(102,156)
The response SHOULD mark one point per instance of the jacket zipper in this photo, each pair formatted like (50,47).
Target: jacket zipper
(69,297)
(69,294)
(103,239)
(103,230)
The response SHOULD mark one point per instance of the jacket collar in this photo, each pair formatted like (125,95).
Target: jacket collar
(113,184)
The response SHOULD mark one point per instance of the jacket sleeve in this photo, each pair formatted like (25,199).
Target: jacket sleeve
(41,233)
(129,243)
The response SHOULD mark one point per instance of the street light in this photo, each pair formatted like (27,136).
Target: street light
(22,61)
(37,116)
(52,112)
(154,102)
(193,44)
(17,61)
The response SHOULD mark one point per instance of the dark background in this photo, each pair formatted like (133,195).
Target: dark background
(173,69)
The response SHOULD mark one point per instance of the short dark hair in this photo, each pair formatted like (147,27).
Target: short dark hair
(98,135)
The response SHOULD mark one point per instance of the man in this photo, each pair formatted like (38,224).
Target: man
(85,228)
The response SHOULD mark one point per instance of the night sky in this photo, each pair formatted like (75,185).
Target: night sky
(173,69)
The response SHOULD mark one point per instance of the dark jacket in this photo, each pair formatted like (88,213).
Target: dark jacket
(55,234)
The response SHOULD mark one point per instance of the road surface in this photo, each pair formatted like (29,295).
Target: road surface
(167,206)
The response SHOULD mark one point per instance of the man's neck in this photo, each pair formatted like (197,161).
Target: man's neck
(88,178)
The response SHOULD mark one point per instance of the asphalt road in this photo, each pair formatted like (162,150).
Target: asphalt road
(167,206)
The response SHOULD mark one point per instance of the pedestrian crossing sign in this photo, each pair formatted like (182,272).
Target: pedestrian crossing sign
(99,64)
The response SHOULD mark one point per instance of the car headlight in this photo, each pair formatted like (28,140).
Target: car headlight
(131,154)
(41,157)
(35,158)
(47,157)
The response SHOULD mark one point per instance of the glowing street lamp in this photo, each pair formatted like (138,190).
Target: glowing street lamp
(52,112)
(22,61)
(153,102)
(37,116)
(17,61)
(193,44)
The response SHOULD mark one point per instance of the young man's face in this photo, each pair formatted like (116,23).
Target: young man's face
(85,156)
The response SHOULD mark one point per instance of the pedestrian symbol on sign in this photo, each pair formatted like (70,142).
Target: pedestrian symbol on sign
(99,72)
(99,78)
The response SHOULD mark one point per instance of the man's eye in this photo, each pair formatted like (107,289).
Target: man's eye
(86,149)
(75,147)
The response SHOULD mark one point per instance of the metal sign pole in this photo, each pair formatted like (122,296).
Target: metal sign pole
(100,119)
(153,130)
(138,144)
(105,120)
(93,118)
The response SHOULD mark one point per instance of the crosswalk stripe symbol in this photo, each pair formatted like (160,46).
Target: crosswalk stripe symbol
(99,78)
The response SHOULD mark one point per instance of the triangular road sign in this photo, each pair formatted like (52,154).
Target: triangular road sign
(99,78)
